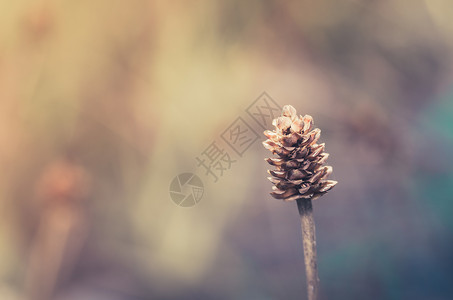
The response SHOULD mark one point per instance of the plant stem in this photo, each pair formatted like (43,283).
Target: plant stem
(309,241)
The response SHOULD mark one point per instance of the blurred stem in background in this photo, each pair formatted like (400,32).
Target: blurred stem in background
(62,228)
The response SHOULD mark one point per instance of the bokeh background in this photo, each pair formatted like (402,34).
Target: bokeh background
(104,102)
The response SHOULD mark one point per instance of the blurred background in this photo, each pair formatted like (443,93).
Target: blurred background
(104,102)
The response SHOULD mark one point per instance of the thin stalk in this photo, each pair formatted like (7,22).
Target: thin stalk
(309,241)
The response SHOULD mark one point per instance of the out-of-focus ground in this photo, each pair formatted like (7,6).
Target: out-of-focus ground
(103,103)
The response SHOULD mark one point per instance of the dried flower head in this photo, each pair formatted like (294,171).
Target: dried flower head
(300,171)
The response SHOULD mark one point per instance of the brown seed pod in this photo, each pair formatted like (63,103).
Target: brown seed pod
(300,172)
